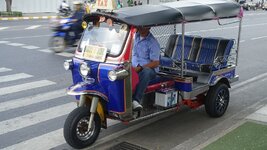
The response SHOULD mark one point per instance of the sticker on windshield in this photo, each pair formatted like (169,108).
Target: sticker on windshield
(95,53)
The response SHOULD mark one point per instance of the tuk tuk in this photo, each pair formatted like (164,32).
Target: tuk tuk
(193,70)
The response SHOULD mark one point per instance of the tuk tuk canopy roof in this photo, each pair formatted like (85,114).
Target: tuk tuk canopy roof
(173,12)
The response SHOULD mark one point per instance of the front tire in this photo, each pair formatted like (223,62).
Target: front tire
(217,100)
(57,44)
(76,131)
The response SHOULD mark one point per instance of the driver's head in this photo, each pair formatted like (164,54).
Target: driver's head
(144,31)
(77,5)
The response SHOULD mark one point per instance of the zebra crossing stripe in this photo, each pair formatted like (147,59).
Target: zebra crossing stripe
(5,69)
(24,87)
(14,77)
(35,118)
(21,102)
(30,47)
(65,54)
(4,42)
(45,50)
(3,28)
(33,27)
(46,141)
(15,44)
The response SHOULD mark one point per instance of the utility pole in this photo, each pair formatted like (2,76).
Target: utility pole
(147,1)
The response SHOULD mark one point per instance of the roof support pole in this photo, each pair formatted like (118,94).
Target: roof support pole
(182,57)
(238,40)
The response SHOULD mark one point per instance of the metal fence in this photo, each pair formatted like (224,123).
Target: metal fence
(162,33)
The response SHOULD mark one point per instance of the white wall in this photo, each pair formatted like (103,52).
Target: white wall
(33,6)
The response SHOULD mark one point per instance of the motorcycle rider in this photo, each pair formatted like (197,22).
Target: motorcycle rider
(64,7)
(77,19)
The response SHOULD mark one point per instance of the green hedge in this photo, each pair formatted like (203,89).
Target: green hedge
(10,14)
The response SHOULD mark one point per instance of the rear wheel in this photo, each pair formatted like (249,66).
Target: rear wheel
(217,100)
(57,44)
(76,132)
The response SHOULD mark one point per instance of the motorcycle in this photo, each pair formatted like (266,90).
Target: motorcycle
(63,36)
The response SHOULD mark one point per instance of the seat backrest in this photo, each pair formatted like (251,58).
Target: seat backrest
(224,49)
(195,49)
(170,46)
(188,42)
(207,51)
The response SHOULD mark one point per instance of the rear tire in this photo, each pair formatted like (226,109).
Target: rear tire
(217,100)
(76,131)
(57,44)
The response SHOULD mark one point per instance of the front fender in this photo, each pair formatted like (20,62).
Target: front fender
(87,89)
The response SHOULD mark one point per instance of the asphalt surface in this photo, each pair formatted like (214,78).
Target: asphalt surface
(33,106)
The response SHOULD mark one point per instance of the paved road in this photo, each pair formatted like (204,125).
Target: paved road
(33,103)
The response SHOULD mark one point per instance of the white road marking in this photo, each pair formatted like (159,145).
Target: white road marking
(65,54)
(45,50)
(241,41)
(24,37)
(30,47)
(14,77)
(5,69)
(261,37)
(35,118)
(33,27)
(254,14)
(3,28)
(48,141)
(24,87)
(4,42)
(15,44)
(251,80)
(21,102)
(225,28)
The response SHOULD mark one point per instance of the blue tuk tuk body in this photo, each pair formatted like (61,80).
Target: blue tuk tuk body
(197,70)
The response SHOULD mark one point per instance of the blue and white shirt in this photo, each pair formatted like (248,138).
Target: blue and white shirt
(145,50)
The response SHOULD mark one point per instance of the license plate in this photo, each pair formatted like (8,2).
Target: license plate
(95,53)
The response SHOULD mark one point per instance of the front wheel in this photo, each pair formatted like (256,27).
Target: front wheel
(217,100)
(76,132)
(57,44)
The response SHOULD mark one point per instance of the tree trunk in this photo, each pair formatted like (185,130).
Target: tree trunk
(8,5)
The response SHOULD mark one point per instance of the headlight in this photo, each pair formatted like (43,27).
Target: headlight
(84,69)
(63,21)
(68,64)
(112,75)
(118,74)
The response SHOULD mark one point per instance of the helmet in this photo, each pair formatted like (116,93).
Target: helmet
(77,3)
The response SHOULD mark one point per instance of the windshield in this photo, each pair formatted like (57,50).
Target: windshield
(109,38)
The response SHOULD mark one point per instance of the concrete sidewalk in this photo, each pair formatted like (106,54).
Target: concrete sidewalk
(250,134)
(31,16)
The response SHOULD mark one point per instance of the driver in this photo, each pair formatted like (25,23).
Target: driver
(77,19)
(146,52)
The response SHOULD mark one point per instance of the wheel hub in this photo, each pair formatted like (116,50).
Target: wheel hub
(82,131)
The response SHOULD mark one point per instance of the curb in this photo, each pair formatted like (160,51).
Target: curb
(28,18)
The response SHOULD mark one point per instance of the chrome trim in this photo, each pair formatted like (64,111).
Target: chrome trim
(199,90)
(234,79)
